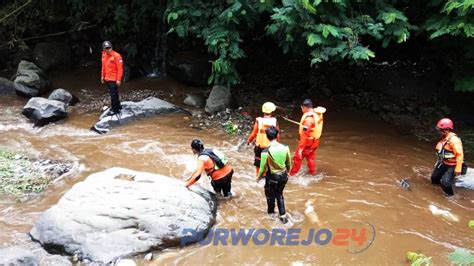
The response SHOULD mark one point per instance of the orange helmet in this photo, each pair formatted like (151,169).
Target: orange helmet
(445,123)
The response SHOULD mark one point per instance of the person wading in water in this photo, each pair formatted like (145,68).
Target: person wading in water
(214,164)
(450,157)
(274,165)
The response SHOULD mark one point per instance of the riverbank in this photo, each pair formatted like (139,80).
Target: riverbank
(23,177)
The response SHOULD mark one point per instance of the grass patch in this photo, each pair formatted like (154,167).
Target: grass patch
(17,177)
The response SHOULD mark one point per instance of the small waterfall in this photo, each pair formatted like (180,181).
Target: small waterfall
(158,64)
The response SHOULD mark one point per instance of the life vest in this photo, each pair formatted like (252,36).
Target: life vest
(445,152)
(264,123)
(316,128)
(216,162)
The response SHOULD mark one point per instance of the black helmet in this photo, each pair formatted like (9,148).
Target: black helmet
(197,144)
(106,44)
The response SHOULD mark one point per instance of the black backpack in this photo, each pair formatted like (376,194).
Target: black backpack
(219,163)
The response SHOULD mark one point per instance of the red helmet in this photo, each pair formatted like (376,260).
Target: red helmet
(445,123)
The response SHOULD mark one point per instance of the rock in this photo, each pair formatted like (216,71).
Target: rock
(42,111)
(30,80)
(189,67)
(64,96)
(148,256)
(125,262)
(105,218)
(219,99)
(17,256)
(466,180)
(6,86)
(195,100)
(49,55)
(131,111)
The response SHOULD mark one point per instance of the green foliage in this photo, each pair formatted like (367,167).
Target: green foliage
(417,259)
(461,257)
(18,185)
(456,18)
(230,128)
(319,30)
(219,24)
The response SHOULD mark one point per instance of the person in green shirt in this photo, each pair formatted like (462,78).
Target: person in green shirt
(274,166)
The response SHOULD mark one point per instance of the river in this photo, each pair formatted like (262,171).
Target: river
(360,161)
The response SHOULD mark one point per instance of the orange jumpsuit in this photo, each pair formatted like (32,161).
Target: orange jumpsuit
(309,134)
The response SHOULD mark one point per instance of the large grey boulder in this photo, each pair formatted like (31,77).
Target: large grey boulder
(42,111)
(30,80)
(17,256)
(219,99)
(131,111)
(48,55)
(64,96)
(467,180)
(189,67)
(119,213)
(195,100)
(6,86)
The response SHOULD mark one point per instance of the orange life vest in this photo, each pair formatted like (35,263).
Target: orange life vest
(209,168)
(264,123)
(446,151)
(316,128)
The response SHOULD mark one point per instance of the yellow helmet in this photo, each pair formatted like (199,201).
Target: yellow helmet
(268,107)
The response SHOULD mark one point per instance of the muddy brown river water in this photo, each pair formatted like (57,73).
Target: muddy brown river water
(359,162)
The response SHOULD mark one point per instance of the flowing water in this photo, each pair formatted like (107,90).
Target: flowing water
(360,161)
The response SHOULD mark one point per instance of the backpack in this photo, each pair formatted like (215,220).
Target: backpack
(216,156)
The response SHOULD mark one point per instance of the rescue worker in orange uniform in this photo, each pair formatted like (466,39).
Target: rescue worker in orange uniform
(310,129)
(258,133)
(219,171)
(111,75)
(450,157)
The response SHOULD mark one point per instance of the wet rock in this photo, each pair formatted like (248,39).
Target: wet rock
(42,111)
(6,86)
(103,218)
(189,67)
(466,181)
(30,80)
(64,96)
(132,111)
(148,256)
(219,99)
(17,256)
(195,100)
(49,55)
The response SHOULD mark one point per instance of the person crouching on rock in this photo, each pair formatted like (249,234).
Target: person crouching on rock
(275,162)
(215,165)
